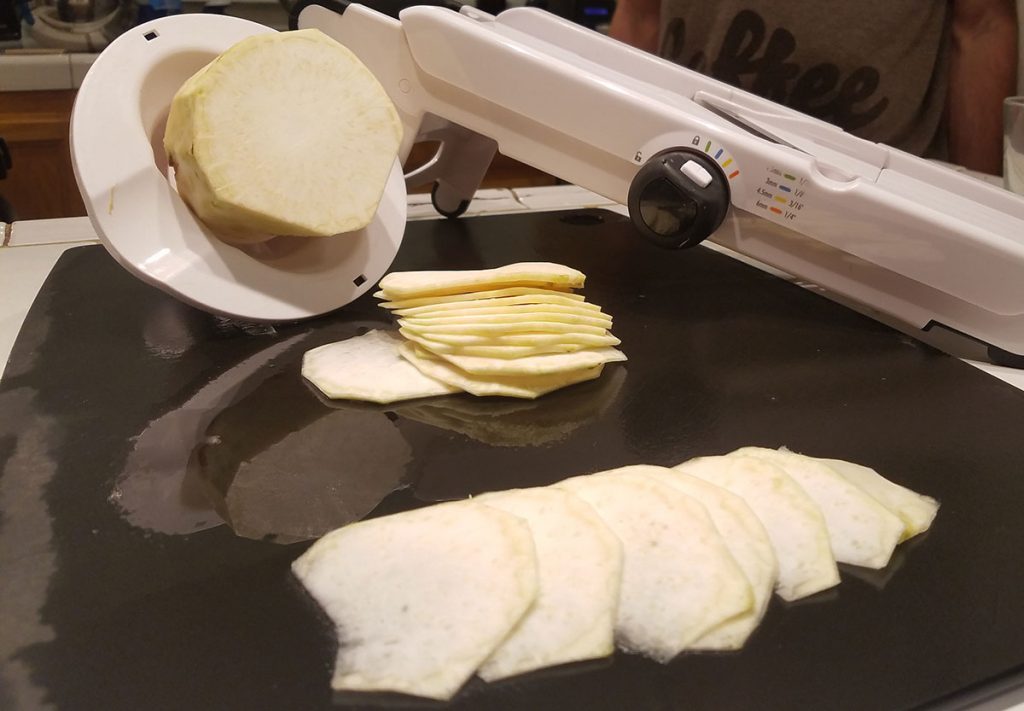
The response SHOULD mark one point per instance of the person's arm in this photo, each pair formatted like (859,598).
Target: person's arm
(982,72)
(637,22)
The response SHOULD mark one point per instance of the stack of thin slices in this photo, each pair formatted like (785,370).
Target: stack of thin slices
(517,331)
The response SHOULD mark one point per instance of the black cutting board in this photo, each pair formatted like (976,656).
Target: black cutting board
(132,425)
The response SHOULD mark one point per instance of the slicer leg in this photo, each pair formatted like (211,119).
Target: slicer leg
(447,201)
(458,168)
(1006,358)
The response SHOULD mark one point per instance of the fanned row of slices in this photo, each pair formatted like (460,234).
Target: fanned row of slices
(654,559)
(517,331)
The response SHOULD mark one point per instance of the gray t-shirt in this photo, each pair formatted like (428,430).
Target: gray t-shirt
(877,68)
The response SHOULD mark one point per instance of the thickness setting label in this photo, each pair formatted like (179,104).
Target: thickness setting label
(781,194)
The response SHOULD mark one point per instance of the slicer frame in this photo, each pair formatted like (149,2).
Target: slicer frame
(117,152)
(901,235)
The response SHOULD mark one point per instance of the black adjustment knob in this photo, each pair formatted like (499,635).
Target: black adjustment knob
(678,198)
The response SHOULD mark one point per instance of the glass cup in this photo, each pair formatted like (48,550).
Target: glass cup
(1013,144)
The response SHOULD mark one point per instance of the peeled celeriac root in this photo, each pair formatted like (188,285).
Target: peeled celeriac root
(283,134)
(420,599)
(579,567)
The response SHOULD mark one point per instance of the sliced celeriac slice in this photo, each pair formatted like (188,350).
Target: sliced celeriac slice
(411,285)
(543,364)
(599,320)
(420,599)
(560,293)
(679,580)
(501,329)
(579,571)
(917,511)
(793,521)
(369,367)
(541,302)
(603,338)
(747,540)
(490,351)
(861,530)
(284,133)
(522,386)
(508,311)
(529,312)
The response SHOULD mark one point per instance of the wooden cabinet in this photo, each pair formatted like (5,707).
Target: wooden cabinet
(40,183)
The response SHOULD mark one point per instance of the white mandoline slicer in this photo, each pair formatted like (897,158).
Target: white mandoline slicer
(901,235)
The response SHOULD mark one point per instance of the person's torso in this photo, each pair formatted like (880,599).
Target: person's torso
(877,68)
